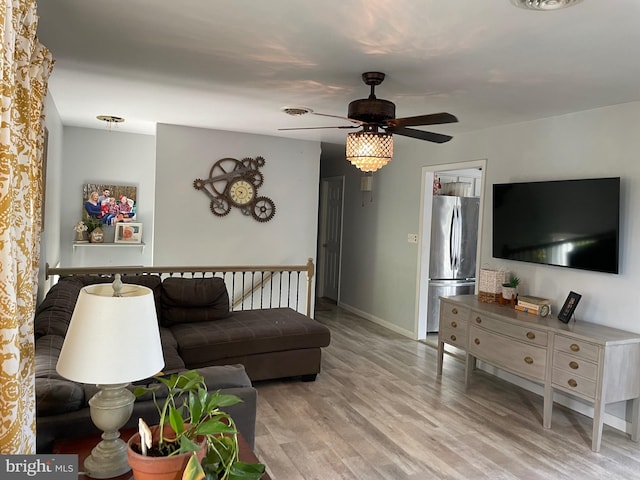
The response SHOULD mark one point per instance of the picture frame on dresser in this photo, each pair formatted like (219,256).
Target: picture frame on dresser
(570,304)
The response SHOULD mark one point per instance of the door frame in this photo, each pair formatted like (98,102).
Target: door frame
(322,233)
(424,234)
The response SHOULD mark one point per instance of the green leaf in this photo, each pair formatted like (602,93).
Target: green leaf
(193,470)
(224,400)
(246,471)
(176,421)
(213,427)
(187,445)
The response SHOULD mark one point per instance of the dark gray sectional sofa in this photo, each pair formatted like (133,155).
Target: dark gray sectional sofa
(198,331)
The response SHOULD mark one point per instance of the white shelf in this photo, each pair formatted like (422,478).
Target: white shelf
(108,244)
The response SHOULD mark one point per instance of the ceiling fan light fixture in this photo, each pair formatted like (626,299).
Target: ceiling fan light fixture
(369,150)
(544,5)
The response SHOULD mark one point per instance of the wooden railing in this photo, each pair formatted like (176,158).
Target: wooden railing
(249,287)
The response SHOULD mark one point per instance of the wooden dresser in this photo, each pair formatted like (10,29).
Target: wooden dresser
(593,362)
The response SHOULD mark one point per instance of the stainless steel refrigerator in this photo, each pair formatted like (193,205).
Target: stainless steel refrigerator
(452,260)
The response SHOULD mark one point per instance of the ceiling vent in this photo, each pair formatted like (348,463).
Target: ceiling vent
(296,111)
(544,4)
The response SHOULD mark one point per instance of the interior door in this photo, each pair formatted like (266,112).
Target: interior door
(330,237)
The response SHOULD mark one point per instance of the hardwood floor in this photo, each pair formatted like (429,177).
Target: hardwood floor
(378,411)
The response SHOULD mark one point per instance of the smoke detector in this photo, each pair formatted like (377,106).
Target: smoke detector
(544,4)
(296,111)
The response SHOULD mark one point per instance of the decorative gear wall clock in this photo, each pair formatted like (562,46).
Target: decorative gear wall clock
(235,183)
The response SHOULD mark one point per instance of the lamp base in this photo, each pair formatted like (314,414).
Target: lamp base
(110,409)
(107,460)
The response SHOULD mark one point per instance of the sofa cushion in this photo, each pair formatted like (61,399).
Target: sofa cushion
(187,300)
(53,315)
(54,396)
(46,358)
(248,332)
(172,360)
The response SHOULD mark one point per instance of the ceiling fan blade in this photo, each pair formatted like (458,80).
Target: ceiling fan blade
(431,119)
(352,120)
(420,134)
(317,128)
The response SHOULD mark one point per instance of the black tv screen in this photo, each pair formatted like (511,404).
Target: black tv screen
(569,223)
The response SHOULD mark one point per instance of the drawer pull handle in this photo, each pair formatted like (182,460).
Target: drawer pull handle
(454,311)
(453,338)
(528,360)
(575,347)
(477,341)
(572,383)
(531,335)
(574,365)
(454,324)
(478,320)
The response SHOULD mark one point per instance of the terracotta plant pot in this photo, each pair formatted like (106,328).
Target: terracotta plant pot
(158,468)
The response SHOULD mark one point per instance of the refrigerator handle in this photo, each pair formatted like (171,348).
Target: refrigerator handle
(452,235)
(455,240)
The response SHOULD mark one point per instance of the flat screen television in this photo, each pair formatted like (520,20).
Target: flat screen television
(568,223)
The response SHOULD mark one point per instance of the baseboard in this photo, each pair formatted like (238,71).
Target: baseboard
(377,321)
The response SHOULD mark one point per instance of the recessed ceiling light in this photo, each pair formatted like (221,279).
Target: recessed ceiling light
(544,4)
(296,111)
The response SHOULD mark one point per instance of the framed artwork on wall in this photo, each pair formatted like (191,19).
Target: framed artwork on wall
(127,232)
(110,203)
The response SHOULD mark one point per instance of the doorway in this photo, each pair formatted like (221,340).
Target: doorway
(462,180)
(330,238)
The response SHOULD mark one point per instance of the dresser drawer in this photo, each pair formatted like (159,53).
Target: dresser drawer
(579,348)
(525,334)
(518,357)
(450,313)
(454,335)
(575,365)
(573,383)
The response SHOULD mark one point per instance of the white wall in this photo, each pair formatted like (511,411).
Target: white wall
(50,239)
(379,266)
(113,157)
(187,233)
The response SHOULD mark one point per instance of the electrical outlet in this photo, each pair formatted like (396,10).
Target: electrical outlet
(413,238)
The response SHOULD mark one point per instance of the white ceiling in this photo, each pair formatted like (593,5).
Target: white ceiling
(231,65)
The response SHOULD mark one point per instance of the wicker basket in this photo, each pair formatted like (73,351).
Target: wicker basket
(490,286)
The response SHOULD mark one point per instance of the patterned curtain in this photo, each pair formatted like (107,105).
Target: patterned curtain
(26,66)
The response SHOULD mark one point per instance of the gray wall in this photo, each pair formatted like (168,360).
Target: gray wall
(111,157)
(187,233)
(379,267)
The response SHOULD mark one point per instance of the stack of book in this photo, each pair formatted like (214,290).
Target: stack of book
(531,304)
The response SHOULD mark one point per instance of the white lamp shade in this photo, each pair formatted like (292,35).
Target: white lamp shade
(110,339)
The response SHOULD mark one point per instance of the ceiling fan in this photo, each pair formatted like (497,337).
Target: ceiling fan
(375,113)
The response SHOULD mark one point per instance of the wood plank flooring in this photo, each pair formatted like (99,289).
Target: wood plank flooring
(378,411)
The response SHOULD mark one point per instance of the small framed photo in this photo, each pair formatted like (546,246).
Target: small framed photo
(128,232)
(569,307)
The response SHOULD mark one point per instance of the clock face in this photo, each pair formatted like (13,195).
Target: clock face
(241,193)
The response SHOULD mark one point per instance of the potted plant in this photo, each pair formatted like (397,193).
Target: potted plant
(192,428)
(93,223)
(510,288)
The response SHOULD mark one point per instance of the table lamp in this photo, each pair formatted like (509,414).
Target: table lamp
(112,340)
